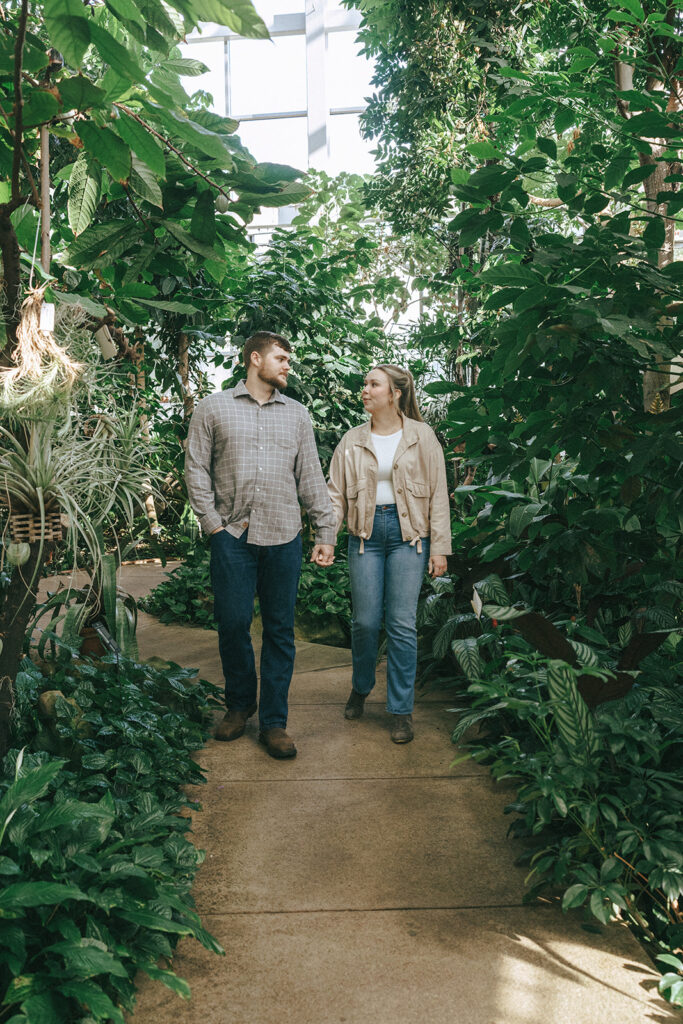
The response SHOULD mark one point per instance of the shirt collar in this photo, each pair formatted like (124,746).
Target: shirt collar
(241,389)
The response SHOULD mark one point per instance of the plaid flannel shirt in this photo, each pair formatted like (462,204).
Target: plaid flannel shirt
(247,466)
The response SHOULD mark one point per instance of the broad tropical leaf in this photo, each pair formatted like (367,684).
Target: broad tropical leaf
(492,588)
(504,613)
(572,717)
(142,142)
(106,146)
(68,28)
(85,185)
(466,651)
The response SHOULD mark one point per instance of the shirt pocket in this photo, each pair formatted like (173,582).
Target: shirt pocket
(417,500)
(356,498)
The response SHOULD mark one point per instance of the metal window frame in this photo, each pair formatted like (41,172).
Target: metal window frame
(315,23)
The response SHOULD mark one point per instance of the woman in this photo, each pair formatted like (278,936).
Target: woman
(388,479)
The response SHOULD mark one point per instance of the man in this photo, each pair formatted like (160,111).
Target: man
(251,457)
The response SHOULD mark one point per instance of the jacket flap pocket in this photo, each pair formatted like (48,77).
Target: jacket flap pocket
(419,489)
(355,487)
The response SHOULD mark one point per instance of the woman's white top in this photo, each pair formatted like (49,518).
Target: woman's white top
(385,448)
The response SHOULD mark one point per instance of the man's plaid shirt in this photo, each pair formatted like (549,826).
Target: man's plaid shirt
(249,465)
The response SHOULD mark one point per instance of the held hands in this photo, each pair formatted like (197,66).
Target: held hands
(323,554)
(437,565)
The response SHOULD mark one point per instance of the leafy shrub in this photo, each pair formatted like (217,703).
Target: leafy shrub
(97,866)
(186,595)
(324,592)
(599,800)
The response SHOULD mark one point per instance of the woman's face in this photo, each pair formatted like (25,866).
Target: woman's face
(376,393)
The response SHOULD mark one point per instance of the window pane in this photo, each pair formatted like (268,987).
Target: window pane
(282,141)
(213,82)
(348,151)
(265,77)
(348,71)
(268,9)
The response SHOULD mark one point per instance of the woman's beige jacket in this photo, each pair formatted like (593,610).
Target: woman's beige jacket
(419,479)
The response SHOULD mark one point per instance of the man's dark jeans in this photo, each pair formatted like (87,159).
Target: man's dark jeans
(238,572)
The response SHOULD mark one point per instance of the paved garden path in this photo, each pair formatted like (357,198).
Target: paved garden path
(369,883)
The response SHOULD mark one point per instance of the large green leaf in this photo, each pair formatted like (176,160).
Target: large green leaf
(572,717)
(40,106)
(106,146)
(68,28)
(203,223)
(492,588)
(27,788)
(208,142)
(87,959)
(85,186)
(184,66)
(504,613)
(510,274)
(188,240)
(97,241)
(149,919)
(466,650)
(79,93)
(38,894)
(290,195)
(89,994)
(144,182)
(126,12)
(169,979)
(114,54)
(168,306)
(142,142)
(239,15)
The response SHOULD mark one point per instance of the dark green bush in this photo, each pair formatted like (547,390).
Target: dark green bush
(96,864)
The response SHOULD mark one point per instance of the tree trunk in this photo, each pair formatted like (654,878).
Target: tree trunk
(16,610)
(11,266)
(657,381)
(184,373)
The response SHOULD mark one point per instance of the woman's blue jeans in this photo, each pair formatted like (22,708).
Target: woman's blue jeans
(239,571)
(385,583)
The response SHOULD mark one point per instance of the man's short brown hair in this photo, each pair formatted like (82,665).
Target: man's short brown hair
(261,342)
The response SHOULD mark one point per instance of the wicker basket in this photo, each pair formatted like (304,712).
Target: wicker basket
(26,527)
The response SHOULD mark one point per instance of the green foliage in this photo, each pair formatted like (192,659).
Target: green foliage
(327,592)
(598,793)
(186,595)
(97,864)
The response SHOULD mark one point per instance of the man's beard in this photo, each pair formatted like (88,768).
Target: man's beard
(274,382)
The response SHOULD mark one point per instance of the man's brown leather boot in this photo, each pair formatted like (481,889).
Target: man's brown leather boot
(277,743)
(234,723)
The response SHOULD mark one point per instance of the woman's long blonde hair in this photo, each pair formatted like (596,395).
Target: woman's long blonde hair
(402,383)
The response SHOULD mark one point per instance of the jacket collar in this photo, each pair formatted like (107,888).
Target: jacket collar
(410,435)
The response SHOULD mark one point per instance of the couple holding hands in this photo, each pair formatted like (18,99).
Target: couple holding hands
(251,461)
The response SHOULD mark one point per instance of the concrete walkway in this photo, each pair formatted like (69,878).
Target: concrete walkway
(369,883)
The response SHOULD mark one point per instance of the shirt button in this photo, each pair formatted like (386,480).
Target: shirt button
(399,490)
(396,465)
(245,524)
(260,469)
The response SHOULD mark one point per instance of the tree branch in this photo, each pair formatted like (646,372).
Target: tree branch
(18,100)
(174,149)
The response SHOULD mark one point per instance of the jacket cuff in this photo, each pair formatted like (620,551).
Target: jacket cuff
(327,536)
(210,522)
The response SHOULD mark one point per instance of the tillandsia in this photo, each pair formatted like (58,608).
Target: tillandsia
(44,371)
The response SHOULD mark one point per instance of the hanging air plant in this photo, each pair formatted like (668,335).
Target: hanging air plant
(44,372)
